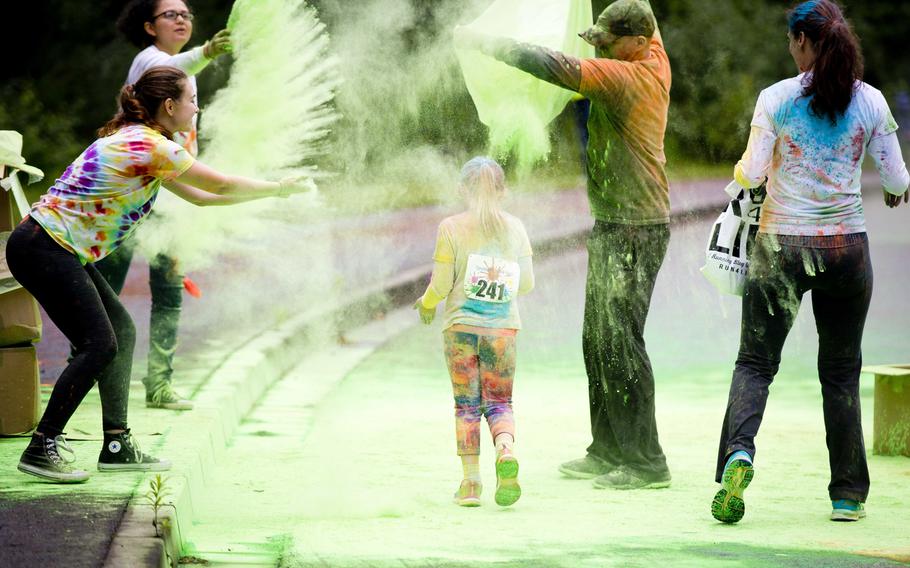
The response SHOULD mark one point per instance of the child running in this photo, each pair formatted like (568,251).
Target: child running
(482,263)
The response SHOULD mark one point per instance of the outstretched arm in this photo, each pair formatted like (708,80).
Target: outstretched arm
(192,61)
(202,185)
(546,64)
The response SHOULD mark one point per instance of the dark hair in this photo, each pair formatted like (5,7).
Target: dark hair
(140,101)
(839,59)
(135,14)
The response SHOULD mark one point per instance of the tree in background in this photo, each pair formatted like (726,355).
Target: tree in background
(67,63)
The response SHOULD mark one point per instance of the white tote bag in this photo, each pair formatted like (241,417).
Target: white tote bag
(732,237)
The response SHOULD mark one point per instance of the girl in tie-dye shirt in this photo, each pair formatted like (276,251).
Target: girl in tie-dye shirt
(482,263)
(100,199)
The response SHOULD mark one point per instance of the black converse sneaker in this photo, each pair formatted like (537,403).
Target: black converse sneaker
(42,458)
(121,453)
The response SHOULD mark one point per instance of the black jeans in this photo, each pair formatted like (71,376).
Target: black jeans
(166,286)
(838,272)
(83,306)
(623,261)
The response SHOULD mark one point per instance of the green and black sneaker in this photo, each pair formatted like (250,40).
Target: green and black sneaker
(164,396)
(43,458)
(728,505)
(121,453)
(847,510)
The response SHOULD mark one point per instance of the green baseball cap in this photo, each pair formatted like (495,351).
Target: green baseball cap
(622,18)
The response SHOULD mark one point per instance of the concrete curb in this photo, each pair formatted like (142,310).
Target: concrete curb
(244,377)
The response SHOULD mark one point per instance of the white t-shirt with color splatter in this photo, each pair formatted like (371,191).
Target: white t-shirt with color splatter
(813,167)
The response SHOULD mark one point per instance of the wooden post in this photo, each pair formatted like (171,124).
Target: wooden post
(891,420)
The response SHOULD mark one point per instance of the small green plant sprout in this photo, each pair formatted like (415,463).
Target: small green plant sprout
(158,490)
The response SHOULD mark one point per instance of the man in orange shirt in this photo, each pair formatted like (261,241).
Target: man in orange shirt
(628,84)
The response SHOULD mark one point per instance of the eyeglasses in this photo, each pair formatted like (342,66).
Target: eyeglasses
(174,14)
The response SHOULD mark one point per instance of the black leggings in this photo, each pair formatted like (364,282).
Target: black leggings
(82,305)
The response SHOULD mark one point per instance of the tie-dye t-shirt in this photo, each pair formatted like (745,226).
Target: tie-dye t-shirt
(487,277)
(103,196)
(815,166)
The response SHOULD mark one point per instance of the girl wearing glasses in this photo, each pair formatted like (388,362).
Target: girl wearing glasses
(162,28)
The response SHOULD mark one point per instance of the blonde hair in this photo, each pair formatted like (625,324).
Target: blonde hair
(483,184)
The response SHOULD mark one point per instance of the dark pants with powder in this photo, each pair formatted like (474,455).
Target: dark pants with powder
(166,286)
(84,307)
(623,261)
(838,272)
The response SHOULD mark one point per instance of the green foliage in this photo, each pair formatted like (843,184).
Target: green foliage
(722,54)
(158,490)
(49,136)
(403,90)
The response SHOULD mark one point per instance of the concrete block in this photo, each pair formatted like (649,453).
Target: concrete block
(891,420)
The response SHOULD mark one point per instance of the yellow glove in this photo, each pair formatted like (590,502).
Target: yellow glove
(426,314)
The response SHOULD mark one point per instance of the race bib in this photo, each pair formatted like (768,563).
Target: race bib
(491,279)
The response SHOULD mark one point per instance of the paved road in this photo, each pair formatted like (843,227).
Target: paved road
(349,461)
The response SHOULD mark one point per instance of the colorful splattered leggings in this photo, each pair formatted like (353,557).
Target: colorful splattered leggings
(482,368)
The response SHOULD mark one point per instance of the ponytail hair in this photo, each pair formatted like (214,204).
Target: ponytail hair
(839,59)
(140,101)
(483,183)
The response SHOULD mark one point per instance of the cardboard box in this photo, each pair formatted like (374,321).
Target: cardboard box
(20,320)
(20,394)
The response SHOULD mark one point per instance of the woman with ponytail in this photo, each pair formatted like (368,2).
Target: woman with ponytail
(161,29)
(482,263)
(809,136)
(96,204)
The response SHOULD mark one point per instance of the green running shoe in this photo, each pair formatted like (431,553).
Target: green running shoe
(507,489)
(728,505)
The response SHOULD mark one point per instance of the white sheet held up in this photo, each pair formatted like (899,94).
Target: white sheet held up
(515,106)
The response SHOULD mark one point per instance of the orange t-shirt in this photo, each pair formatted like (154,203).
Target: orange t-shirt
(627,181)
